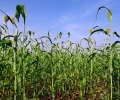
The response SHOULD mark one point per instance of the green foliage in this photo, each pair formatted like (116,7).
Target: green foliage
(20,10)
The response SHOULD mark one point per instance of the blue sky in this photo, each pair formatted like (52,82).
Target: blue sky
(74,16)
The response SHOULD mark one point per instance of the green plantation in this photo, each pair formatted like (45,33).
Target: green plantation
(46,69)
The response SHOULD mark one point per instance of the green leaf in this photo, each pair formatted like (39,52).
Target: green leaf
(48,34)
(6,82)
(95,27)
(8,36)
(117,34)
(20,9)
(109,15)
(15,38)
(18,12)
(60,34)
(3,28)
(69,34)
(109,12)
(7,42)
(46,37)
(0,31)
(17,15)
(107,30)
(92,56)
(99,30)
(23,12)
(84,81)
(29,33)
(91,31)
(114,44)
(6,18)
(12,20)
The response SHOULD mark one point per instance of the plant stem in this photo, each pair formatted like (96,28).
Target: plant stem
(14,69)
(24,97)
(52,77)
(15,65)
(111,68)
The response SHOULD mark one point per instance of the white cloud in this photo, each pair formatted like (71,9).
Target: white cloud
(92,9)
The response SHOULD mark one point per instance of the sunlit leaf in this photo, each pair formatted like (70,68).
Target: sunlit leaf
(91,31)
(6,18)
(109,15)
(58,36)
(108,30)
(12,20)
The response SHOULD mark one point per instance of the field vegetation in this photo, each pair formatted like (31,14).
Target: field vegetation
(46,69)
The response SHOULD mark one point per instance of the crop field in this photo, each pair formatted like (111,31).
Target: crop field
(52,69)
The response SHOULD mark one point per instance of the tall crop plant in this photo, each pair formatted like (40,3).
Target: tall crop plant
(20,10)
(109,32)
